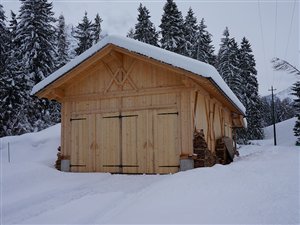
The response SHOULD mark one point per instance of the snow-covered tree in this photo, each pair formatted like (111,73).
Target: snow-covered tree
(84,35)
(190,33)
(36,35)
(296,92)
(249,91)
(228,63)
(36,54)
(72,41)
(144,29)
(13,102)
(13,84)
(172,28)
(96,29)
(266,108)
(4,40)
(61,42)
(13,23)
(280,64)
(284,109)
(130,33)
(204,50)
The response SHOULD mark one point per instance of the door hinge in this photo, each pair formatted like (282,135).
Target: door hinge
(108,117)
(77,119)
(162,114)
(119,116)
(130,116)
(120,166)
(77,165)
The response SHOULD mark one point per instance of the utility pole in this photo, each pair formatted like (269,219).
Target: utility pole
(273,114)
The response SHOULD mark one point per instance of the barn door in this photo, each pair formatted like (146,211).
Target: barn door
(108,151)
(82,143)
(129,127)
(121,142)
(166,145)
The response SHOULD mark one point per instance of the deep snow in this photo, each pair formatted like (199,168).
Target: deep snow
(261,187)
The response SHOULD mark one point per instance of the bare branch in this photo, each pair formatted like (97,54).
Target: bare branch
(280,64)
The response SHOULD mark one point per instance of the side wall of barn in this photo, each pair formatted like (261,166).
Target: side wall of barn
(211,116)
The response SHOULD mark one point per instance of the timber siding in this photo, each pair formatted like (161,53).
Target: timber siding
(125,113)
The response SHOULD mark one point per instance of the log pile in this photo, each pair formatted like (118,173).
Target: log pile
(59,158)
(222,153)
(204,157)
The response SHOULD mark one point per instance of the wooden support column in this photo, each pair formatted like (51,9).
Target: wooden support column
(186,128)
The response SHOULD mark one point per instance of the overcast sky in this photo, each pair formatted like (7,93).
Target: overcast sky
(272,27)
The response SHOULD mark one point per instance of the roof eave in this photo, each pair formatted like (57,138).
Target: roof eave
(229,99)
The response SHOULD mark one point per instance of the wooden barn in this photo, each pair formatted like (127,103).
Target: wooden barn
(128,107)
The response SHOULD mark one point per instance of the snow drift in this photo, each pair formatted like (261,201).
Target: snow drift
(261,186)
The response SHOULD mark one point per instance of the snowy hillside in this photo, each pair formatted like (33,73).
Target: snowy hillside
(286,138)
(261,187)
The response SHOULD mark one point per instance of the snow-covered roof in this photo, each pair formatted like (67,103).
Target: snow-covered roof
(174,59)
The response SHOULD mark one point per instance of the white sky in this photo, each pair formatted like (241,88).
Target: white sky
(280,39)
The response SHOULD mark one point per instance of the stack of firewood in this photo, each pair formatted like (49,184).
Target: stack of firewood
(222,152)
(204,157)
(59,158)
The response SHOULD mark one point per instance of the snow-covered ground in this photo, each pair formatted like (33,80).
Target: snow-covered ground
(261,187)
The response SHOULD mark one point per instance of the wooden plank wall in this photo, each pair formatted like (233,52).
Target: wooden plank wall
(165,103)
(157,96)
(212,117)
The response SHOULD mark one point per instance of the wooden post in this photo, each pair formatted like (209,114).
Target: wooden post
(273,115)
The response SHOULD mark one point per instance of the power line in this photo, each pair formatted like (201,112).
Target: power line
(262,35)
(289,35)
(275,37)
(290,30)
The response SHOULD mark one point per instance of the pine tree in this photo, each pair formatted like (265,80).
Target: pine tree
(249,91)
(14,100)
(72,41)
(84,35)
(130,33)
(62,44)
(144,29)
(96,29)
(13,23)
(4,40)
(296,92)
(36,35)
(36,54)
(228,63)
(172,28)
(266,108)
(190,33)
(204,50)
(13,85)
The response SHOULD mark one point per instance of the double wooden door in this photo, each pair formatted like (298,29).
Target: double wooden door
(143,141)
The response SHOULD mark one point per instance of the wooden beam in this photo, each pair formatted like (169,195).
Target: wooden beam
(74,72)
(117,57)
(59,93)
(128,93)
(127,109)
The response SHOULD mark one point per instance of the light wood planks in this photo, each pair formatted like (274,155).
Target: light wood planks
(150,136)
